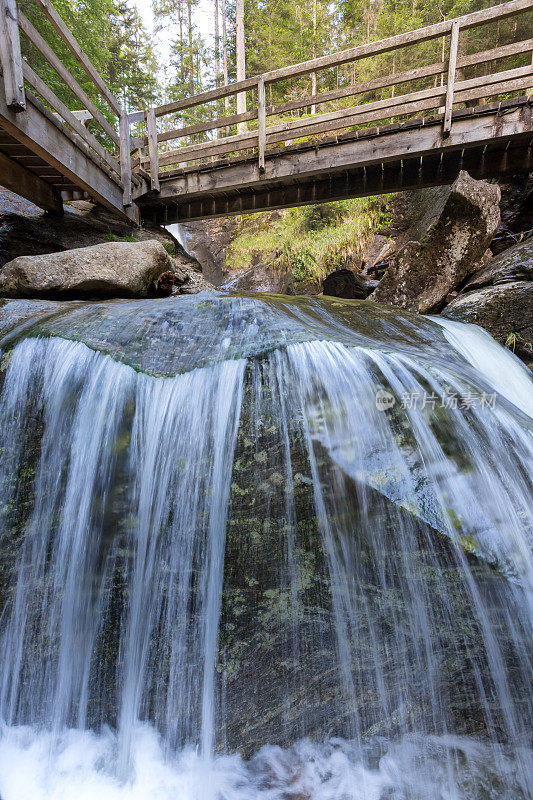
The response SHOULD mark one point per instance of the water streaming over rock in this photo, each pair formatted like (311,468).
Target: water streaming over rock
(260,548)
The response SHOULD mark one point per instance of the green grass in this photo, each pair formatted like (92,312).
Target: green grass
(311,241)
(112,237)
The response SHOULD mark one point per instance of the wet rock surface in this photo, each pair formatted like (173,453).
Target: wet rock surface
(462,221)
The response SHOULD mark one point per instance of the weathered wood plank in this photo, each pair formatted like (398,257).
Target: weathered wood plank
(43,136)
(27,184)
(467,132)
(153,153)
(46,51)
(452,64)
(11,55)
(70,117)
(261,111)
(125,157)
(242,141)
(55,20)
(207,97)
(507,9)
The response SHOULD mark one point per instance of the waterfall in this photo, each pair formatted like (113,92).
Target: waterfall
(262,549)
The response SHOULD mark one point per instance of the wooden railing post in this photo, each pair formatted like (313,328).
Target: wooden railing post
(261,116)
(125,156)
(452,64)
(153,153)
(11,56)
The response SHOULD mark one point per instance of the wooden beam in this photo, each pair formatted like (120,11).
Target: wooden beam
(125,157)
(153,153)
(207,97)
(27,184)
(261,111)
(452,64)
(42,134)
(11,55)
(470,131)
(46,51)
(57,23)
(72,118)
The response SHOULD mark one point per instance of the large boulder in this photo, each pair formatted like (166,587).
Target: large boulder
(505,311)
(499,297)
(423,273)
(114,269)
(514,264)
(345,283)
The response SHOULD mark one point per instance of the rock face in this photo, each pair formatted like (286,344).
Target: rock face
(114,269)
(514,264)
(459,228)
(345,283)
(499,297)
(26,231)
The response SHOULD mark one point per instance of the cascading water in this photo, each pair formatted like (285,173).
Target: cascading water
(258,548)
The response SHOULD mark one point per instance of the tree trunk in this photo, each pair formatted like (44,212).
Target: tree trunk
(191,46)
(217,47)
(225,54)
(313,74)
(241,62)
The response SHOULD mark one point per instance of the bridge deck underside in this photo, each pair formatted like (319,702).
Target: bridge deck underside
(487,141)
(40,158)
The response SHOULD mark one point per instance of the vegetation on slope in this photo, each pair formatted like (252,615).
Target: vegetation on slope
(308,243)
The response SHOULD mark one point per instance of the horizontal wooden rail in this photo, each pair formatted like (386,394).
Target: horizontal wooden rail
(352,90)
(437,30)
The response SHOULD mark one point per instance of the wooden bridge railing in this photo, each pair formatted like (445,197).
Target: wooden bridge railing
(448,88)
(19,76)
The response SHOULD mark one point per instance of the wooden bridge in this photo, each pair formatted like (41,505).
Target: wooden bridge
(462,108)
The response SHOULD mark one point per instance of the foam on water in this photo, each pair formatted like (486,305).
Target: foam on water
(79,764)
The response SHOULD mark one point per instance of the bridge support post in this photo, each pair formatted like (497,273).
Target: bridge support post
(153,153)
(11,56)
(261,117)
(452,64)
(125,156)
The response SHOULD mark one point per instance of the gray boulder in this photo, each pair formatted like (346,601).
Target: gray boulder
(499,297)
(423,273)
(514,264)
(505,311)
(113,269)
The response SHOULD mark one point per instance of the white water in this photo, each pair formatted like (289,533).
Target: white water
(503,369)
(114,684)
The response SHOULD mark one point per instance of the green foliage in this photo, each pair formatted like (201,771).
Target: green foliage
(512,340)
(111,33)
(170,247)
(112,237)
(308,242)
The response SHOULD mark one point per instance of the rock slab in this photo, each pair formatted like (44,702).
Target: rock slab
(423,273)
(113,269)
